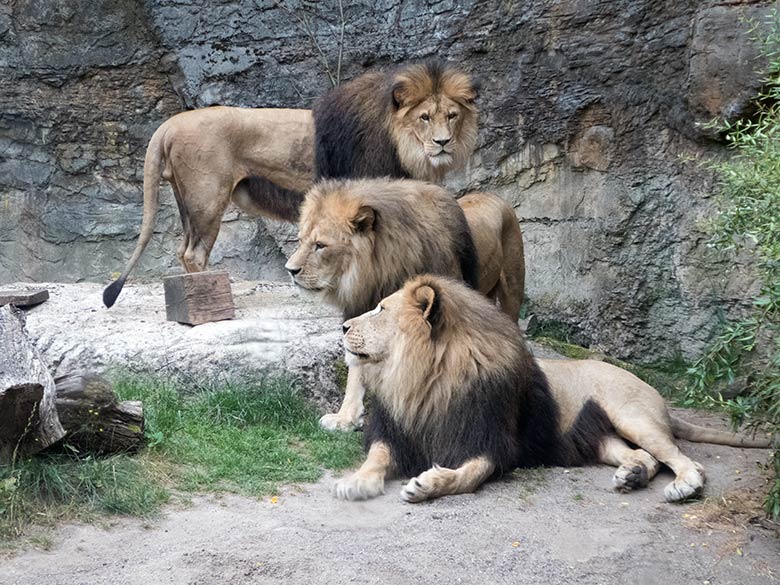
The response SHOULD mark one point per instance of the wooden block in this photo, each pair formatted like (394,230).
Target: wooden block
(198,297)
(23,297)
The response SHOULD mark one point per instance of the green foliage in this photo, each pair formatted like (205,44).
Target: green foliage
(245,438)
(748,219)
(61,485)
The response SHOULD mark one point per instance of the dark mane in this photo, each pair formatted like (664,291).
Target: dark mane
(276,201)
(506,414)
(351,138)
(351,135)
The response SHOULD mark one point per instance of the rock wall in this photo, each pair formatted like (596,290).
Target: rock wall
(589,112)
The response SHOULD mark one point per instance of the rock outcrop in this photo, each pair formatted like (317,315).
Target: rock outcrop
(590,111)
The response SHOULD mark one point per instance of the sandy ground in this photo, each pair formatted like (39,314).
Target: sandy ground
(543,527)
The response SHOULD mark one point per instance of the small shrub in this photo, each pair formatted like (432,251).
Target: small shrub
(748,218)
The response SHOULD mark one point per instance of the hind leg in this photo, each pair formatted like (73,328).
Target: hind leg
(440,481)
(510,296)
(656,438)
(204,213)
(185,223)
(636,467)
(202,201)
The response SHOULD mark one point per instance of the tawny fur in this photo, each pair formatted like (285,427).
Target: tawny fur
(357,268)
(263,159)
(424,347)
(208,156)
(418,121)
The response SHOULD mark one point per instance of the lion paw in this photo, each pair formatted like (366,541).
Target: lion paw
(359,487)
(416,490)
(630,477)
(339,422)
(688,485)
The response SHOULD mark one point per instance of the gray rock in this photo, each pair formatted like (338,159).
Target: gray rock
(276,329)
(588,110)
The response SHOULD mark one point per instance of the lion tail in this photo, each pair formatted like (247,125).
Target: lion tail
(697,434)
(152,172)
(513,270)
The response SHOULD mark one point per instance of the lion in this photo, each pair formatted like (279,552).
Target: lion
(418,122)
(359,240)
(263,159)
(458,399)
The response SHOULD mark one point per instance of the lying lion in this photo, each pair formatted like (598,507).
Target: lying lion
(361,240)
(418,121)
(459,399)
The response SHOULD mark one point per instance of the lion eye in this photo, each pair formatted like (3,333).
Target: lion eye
(319,246)
(425,117)
(452,115)
(376,311)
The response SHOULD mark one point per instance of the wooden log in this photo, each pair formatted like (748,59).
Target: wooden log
(23,297)
(198,297)
(95,421)
(28,417)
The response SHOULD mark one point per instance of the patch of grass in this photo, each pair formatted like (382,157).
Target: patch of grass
(529,480)
(570,350)
(559,331)
(50,487)
(341,373)
(244,438)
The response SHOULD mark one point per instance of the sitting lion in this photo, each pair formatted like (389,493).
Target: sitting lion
(361,240)
(459,399)
(263,159)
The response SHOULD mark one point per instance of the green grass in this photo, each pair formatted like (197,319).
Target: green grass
(243,438)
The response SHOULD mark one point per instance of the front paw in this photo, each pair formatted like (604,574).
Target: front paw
(339,422)
(416,490)
(359,487)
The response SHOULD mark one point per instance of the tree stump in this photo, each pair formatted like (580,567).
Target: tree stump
(198,297)
(28,417)
(95,421)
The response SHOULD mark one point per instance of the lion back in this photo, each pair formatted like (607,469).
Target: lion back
(352,139)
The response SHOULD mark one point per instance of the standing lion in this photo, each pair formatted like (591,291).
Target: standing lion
(418,121)
(360,240)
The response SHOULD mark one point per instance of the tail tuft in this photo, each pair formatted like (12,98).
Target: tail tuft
(111,292)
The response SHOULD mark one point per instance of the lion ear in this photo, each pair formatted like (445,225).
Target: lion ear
(476,87)
(364,219)
(427,301)
(400,94)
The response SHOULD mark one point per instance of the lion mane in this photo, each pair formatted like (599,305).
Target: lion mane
(360,240)
(419,121)
(458,399)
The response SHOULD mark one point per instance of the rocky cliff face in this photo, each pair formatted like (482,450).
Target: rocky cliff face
(589,112)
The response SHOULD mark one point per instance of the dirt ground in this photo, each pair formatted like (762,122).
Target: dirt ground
(541,527)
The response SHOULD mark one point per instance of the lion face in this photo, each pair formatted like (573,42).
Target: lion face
(403,317)
(330,244)
(435,121)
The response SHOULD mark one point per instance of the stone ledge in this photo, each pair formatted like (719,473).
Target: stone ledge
(277,328)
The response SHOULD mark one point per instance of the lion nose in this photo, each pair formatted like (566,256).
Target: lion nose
(293,271)
(441,141)
(345,328)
